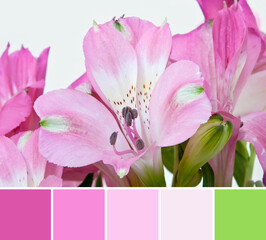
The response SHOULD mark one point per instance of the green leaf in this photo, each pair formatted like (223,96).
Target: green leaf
(168,158)
(244,163)
(87,181)
(208,175)
(195,180)
(205,144)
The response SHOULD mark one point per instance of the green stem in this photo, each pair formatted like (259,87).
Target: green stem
(250,165)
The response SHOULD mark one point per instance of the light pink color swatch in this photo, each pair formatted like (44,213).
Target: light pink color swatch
(79,214)
(132,214)
(25,214)
(186,214)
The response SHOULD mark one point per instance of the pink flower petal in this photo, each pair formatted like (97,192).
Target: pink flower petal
(22,69)
(236,52)
(135,28)
(73,177)
(253,96)
(211,8)
(14,112)
(178,105)
(52,181)
(13,172)
(254,131)
(223,163)
(111,65)
(42,65)
(79,124)
(153,51)
(5,87)
(35,162)
(82,84)
(53,169)
(197,46)
(253,49)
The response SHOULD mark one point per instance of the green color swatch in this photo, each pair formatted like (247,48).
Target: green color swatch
(240,214)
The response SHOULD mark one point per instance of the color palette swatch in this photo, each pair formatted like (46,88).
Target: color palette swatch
(240,214)
(25,214)
(143,214)
(78,214)
(187,214)
(132,214)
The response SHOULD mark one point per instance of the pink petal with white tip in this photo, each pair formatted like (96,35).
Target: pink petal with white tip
(79,124)
(153,50)
(111,65)
(178,105)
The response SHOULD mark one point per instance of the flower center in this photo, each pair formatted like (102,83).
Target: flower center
(129,115)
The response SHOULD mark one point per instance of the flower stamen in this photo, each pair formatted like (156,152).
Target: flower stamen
(129,125)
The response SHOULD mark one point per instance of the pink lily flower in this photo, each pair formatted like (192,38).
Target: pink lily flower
(22,164)
(22,79)
(227,50)
(146,105)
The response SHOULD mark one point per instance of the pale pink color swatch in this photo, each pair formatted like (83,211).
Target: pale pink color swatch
(79,214)
(186,214)
(25,214)
(132,214)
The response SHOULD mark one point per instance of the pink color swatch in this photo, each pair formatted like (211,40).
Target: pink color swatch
(25,214)
(132,214)
(79,214)
(186,214)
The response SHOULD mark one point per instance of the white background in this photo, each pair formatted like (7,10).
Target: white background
(63,24)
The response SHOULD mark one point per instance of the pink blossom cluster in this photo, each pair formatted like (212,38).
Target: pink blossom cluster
(149,100)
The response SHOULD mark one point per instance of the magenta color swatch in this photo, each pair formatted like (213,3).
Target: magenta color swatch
(186,214)
(78,214)
(25,214)
(132,214)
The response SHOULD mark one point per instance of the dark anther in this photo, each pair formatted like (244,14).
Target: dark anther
(139,144)
(128,119)
(113,138)
(241,125)
(134,113)
(125,110)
